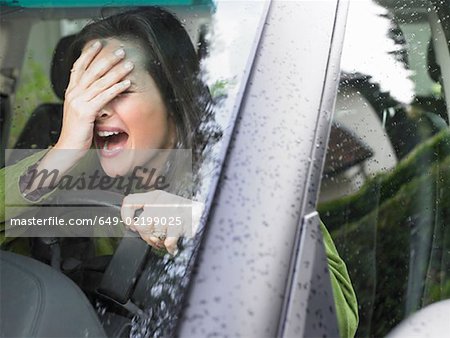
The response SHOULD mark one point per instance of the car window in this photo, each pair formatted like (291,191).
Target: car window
(225,43)
(34,84)
(385,187)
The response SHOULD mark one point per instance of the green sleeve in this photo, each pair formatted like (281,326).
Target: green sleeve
(344,295)
(10,191)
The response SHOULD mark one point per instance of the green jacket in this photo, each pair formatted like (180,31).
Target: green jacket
(344,295)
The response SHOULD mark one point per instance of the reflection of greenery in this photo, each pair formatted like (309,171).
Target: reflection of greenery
(219,89)
(438,291)
(384,186)
(394,235)
(437,90)
(35,89)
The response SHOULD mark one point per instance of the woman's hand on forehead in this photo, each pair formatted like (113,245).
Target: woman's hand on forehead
(100,74)
(141,81)
(93,83)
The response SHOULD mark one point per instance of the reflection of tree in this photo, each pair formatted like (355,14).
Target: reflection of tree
(35,88)
(406,126)
(396,35)
(219,90)
(392,233)
(401,130)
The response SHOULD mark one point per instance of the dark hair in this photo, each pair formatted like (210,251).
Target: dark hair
(170,59)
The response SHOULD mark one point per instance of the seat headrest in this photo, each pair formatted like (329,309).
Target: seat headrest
(61,65)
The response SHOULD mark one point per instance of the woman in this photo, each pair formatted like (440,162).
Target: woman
(135,86)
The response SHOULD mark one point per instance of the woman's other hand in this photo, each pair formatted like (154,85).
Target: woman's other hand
(164,219)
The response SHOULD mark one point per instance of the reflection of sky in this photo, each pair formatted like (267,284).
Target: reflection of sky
(232,38)
(366,50)
(233,32)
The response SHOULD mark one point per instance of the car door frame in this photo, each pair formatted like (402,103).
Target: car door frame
(247,266)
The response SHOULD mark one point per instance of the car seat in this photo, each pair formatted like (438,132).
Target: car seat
(37,301)
(44,126)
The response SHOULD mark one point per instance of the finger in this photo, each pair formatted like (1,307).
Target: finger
(127,212)
(153,241)
(144,226)
(158,242)
(171,245)
(159,227)
(109,79)
(100,66)
(149,232)
(107,95)
(83,62)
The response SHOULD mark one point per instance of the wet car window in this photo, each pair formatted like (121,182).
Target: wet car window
(385,187)
(225,43)
(34,84)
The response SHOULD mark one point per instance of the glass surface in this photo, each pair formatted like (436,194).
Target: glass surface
(93,3)
(386,183)
(224,35)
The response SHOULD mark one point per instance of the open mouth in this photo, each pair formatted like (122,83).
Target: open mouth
(110,141)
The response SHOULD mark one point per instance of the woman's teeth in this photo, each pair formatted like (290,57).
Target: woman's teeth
(107,133)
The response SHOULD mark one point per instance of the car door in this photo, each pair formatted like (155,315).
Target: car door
(259,246)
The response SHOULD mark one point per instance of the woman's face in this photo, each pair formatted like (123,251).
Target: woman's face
(134,123)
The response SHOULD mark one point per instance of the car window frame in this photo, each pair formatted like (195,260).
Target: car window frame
(311,257)
(191,314)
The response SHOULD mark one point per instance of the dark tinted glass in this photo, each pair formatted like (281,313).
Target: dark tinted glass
(385,189)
